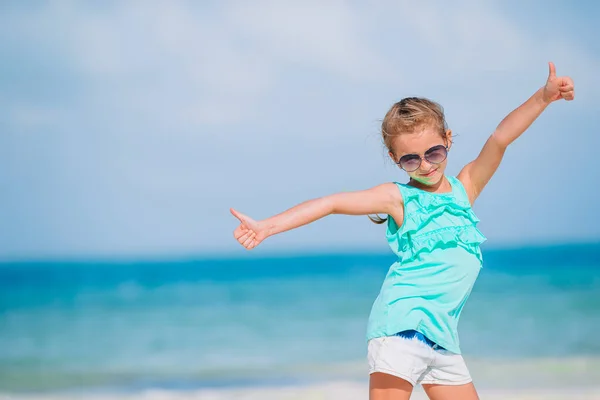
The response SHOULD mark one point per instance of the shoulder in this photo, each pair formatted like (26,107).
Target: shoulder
(388,192)
(391,190)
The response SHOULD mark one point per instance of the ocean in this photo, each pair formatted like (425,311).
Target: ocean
(221,324)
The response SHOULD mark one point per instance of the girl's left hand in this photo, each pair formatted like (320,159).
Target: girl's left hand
(558,87)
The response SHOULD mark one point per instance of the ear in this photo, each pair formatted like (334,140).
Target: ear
(449,137)
(392,156)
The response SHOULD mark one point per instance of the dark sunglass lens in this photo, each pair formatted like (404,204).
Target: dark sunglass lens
(410,163)
(436,155)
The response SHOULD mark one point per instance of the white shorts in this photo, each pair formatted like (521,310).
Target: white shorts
(416,362)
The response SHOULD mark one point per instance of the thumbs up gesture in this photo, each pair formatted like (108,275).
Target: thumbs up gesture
(249,232)
(558,87)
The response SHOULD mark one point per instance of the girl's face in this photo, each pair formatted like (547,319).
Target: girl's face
(422,154)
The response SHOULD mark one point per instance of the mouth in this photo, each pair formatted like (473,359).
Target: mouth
(430,173)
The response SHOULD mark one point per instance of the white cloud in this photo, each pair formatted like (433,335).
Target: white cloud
(208,61)
(201,63)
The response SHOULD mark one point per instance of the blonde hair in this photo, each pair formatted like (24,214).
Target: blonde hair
(407,116)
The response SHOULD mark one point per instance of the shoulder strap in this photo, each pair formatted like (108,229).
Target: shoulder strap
(404,191)
(409,194)
(459,190)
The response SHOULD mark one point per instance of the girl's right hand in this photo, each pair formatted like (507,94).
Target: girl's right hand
(249,233)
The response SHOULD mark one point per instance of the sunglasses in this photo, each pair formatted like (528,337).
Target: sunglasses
(412,162)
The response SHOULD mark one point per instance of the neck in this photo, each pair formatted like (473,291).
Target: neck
(442,186)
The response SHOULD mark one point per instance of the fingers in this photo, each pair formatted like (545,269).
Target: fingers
(567,88)
(551,70)
(249,240)
(245,237)
(239,232)
(566,84)
(568,95)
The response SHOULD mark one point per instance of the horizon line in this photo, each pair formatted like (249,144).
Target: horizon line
(226,254)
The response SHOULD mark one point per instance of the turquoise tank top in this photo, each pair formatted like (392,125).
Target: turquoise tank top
(439,260)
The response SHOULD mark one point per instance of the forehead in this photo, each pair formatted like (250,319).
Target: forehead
(418,141)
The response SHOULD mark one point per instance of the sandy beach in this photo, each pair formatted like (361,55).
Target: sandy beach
(547,379)
(334,390)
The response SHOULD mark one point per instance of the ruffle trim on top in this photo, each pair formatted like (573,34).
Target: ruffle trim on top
(416,221)
(408,241)
(429,201)
(467,236)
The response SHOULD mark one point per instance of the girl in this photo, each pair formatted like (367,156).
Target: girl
(412,329)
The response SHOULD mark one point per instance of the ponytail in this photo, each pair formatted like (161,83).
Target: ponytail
(377,219)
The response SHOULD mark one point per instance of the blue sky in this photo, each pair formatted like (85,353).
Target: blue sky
(130,128)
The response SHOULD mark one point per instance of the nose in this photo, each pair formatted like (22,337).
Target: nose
(425,166)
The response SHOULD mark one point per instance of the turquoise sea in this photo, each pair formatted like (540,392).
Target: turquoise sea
(251,320)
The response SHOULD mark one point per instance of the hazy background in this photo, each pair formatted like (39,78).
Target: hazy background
(130,128)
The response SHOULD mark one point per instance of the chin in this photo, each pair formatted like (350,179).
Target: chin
(429,180)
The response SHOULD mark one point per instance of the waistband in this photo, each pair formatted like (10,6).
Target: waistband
(412,334)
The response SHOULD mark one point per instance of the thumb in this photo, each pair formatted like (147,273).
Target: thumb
(238,215)
(551,70)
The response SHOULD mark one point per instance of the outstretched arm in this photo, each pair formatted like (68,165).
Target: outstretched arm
(477,174)
(382,199)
